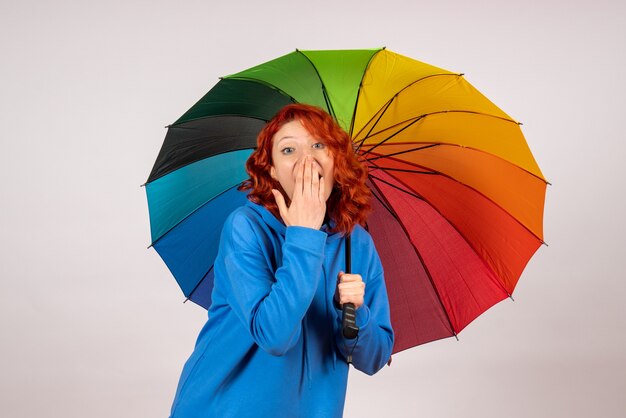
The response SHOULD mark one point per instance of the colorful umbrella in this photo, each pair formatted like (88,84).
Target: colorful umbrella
(458,208)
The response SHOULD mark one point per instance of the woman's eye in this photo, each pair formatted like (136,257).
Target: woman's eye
(319,145)
(287,150)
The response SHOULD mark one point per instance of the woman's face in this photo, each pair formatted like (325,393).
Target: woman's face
(291,144)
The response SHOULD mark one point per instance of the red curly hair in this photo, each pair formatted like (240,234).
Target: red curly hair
(349,202)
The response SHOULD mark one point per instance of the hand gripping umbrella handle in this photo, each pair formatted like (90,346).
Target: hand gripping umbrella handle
(348,319)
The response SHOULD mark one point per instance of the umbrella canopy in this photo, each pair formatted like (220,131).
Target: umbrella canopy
(458,197)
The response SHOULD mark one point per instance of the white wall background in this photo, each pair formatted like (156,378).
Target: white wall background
(92,324)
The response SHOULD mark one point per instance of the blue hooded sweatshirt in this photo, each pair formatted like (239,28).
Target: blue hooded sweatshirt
(272,346)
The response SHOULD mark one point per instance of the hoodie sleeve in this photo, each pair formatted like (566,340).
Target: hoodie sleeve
(270,304)
(372,349)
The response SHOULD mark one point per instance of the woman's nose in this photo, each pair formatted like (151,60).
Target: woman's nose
(307,153)
(311,155)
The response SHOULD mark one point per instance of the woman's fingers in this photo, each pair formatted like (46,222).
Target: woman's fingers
(308,176)
(315,180)
(347,277)
(298,189)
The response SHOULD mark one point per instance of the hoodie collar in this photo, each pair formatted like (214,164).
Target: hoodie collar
(278,225)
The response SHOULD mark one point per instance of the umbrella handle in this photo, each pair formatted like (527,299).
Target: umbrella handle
(348,318)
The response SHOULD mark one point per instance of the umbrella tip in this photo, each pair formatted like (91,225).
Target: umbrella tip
(185,301)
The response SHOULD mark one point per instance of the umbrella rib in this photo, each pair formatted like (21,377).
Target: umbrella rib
(401,152)
(243,115)
(198,284)
(409,192)
(406,170)
(384,203)
(417,253)
(358,94)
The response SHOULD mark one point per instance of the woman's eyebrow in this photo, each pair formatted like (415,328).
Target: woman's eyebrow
(284,137)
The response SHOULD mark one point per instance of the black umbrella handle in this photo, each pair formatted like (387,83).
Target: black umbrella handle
(350,328)
(348,319)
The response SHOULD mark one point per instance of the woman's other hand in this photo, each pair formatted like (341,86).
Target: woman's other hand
(350,289)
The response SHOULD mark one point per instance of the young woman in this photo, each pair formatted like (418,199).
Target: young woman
(273,344)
